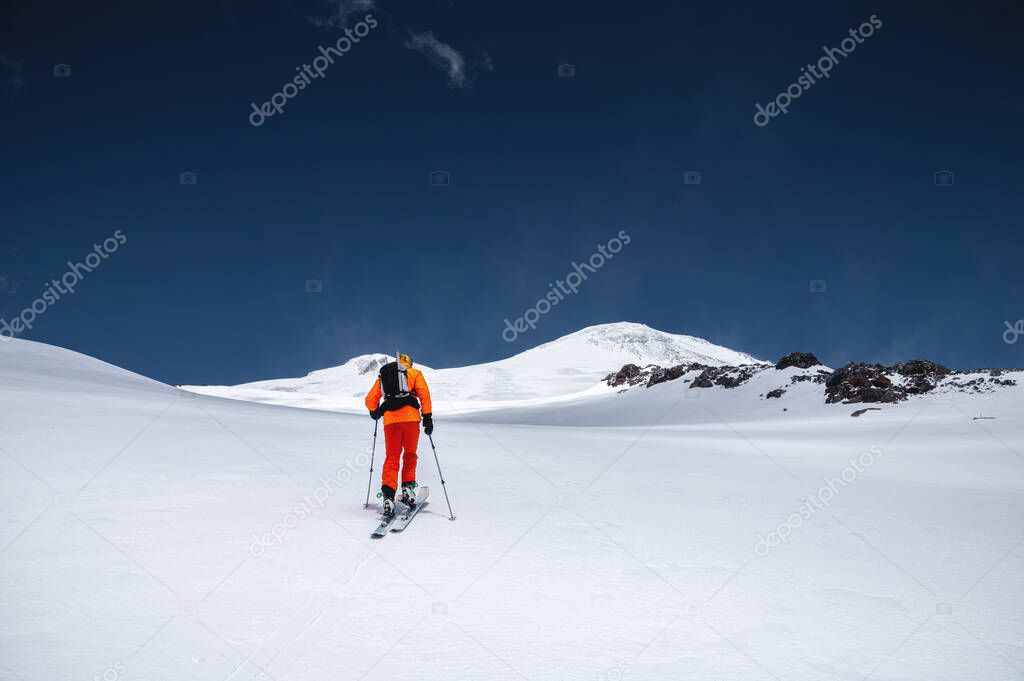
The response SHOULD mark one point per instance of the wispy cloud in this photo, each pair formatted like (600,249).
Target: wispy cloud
(447,58)
(341,11)
(459,69)
(13,70)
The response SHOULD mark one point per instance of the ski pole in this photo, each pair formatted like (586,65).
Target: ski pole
(373,451)
(443,487)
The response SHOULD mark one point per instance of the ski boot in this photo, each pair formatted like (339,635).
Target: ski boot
(408,493)
(389,508)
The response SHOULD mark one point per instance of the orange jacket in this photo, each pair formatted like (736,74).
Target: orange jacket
(417,386)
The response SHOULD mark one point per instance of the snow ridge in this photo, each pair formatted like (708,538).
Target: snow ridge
(572,364)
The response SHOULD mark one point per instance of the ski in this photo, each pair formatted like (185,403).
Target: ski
(385,524)
(403,520)
(382,528)
(399,521)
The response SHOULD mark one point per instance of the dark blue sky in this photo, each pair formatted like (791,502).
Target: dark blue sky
(210,286)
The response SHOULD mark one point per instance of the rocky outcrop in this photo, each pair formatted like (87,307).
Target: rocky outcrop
(921,375)
(856,382)
(652,374)
(630,374)
(862,383)
(821,376)
(876,383)
(659,375)
(800,360)
(979,384)
(727,377)
(919,367)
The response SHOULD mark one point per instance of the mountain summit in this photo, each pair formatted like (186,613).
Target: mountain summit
(645,345)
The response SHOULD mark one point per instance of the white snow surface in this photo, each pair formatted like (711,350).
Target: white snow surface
(605,536)
(565,368)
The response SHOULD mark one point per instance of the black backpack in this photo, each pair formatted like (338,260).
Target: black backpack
(394,383)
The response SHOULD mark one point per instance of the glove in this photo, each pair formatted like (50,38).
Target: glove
(428,423)
(375,413)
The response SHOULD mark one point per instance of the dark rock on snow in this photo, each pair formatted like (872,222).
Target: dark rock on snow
(624,376)
(659,375)
(865,409)
(801,360)
(852,383)
(861,383)
(919,367)
(727,377)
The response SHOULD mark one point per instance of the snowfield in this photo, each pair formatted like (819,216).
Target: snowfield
(155,533)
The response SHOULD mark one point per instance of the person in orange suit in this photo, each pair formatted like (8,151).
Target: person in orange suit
(400,394)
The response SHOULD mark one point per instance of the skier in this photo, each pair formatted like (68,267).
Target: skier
(405,395)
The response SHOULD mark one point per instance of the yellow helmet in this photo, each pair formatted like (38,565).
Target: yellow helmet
(405,359)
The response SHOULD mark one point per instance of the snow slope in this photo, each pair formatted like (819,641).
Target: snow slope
(137,538)
(566,367)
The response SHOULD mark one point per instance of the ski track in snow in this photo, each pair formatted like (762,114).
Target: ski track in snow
(620,546)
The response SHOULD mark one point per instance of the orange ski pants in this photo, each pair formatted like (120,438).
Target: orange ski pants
(398,436)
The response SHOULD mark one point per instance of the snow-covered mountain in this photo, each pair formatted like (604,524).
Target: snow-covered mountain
(577,380)
(562,369)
